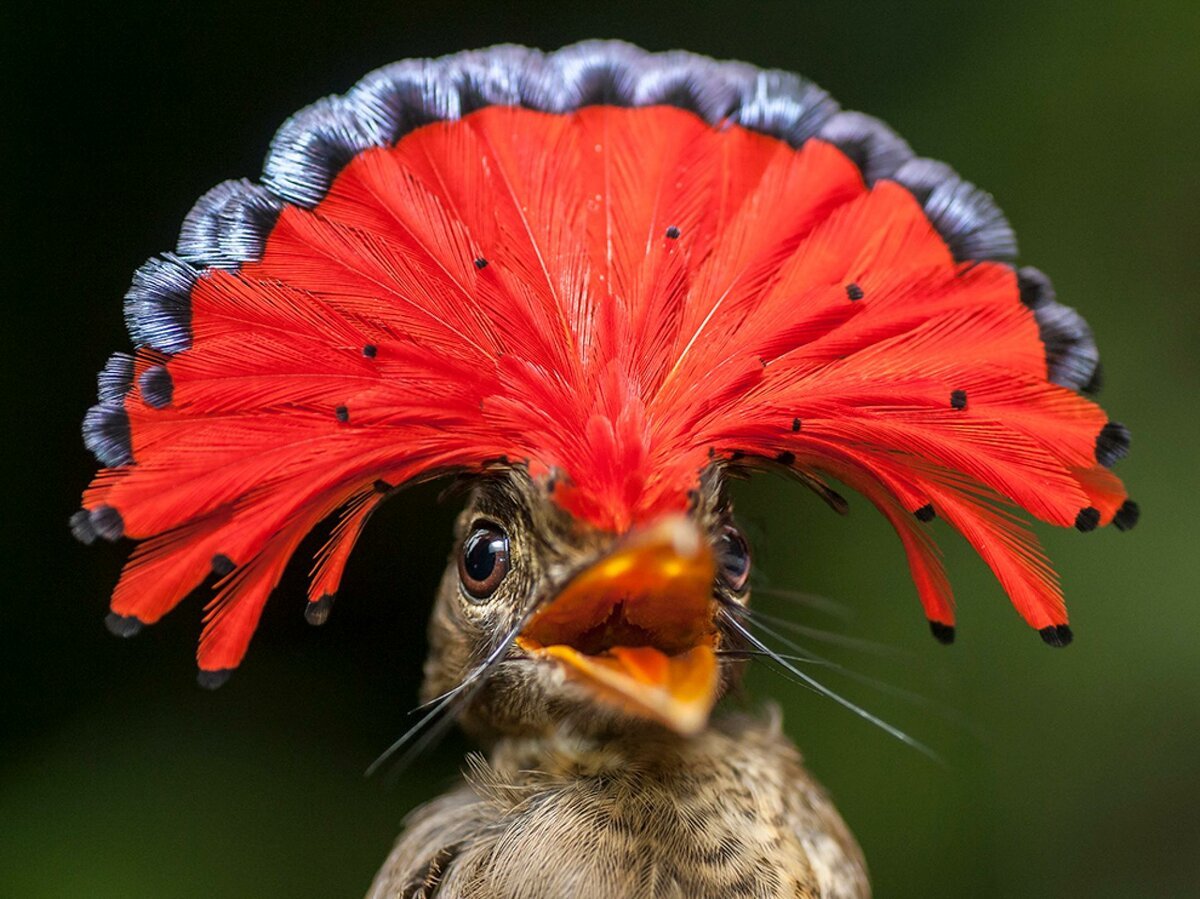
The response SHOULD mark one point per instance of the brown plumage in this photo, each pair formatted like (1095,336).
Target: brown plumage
(731,812)
(577,796)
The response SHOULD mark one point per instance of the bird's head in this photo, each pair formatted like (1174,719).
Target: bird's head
(563,623)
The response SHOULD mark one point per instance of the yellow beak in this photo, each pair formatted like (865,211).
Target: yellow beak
(637,626)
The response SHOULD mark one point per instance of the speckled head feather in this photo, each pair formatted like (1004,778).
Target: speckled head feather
(609,267)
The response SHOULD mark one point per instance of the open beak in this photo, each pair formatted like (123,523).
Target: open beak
(637,626)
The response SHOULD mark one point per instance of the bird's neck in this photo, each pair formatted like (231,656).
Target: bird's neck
(568,752)
(728,812)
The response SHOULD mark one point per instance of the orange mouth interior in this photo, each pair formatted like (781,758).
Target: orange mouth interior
(637,627)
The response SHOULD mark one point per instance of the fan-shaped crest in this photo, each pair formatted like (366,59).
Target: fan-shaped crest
(617,268)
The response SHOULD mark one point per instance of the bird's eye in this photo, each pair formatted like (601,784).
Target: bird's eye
(484,560)
(733,557)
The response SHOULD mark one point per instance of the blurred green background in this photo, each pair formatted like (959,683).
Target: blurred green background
(1065,773)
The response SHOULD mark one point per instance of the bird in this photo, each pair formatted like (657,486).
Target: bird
(592,287)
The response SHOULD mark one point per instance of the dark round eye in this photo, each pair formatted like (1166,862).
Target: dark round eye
(733,558)
(484,560)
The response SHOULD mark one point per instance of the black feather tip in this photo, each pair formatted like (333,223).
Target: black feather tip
(122,625)
(1112,444)
(342,414)
(854,292)
(673,233)
(1087,519)
(958,399)
(481,263)
(1127,516)
(370,350)
(211,680)
(795,425)
(317,612)
(222,565)
(1057,635)
(157,387)
(943,633)
(107,523)
(925,513)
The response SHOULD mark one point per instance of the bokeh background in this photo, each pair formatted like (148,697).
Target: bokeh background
(1063,773)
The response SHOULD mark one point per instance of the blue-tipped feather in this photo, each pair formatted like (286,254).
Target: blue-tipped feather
(1112,444)
(312,147)
(785,106)
(966,217)
(1071,355)
(115,378)
(876,149)
(106,434)
(158,309)
(228,225)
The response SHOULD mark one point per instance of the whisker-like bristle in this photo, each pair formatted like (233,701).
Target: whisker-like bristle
(408,735)
(744,613)
(748,654)
(877,684)
(831,637)
(816,685)
(449,702)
